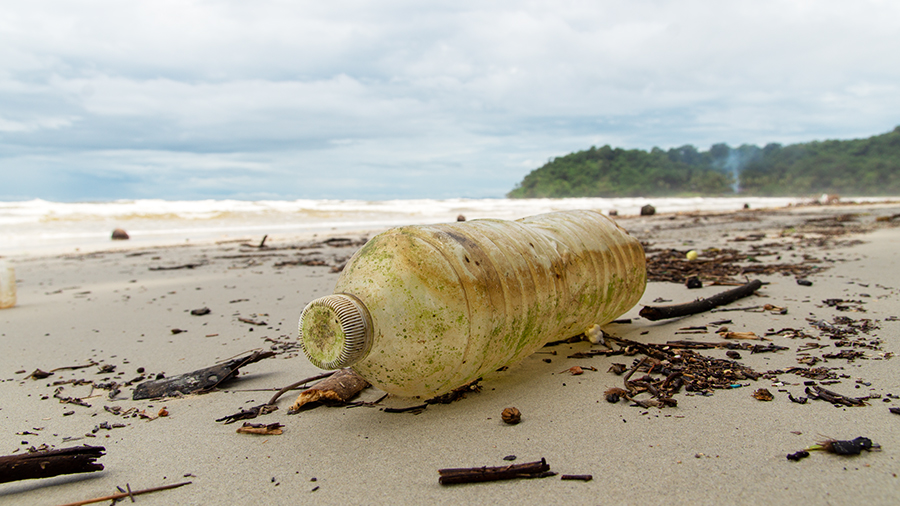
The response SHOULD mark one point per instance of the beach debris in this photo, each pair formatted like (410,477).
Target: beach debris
(69,400)
(39,374)
(796,456)
(261,429)
(722,266)
(47,463)
(668,368)
(460,217)
(693,282)
(201,311)
(578,477)
(617,369)
(119,235)
(457,393)
(763,394)
(654,313)
(249,413)
(511,416)
(408,409)
(648,210)
(613,394)
(843,447)
(895,411)
(127,493)
(594,334)
(261,245)
(334,390)
(199,381)
(798,400)
(741,335)
(691,255)
(178,267)
(613,212)
(252,322)
(453,476)
(804,282)
(817,392)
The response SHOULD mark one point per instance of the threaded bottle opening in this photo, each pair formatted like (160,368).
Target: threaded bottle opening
(335,331)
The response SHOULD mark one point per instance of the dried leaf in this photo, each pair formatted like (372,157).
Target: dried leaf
(272,429)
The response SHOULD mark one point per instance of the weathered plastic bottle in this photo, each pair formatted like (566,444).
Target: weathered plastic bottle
(7,285)
(420,310)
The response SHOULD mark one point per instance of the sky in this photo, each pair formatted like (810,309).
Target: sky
(104,100)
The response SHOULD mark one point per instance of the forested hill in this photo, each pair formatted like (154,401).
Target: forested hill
(854,167)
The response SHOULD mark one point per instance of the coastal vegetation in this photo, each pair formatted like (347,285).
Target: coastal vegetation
(868,166)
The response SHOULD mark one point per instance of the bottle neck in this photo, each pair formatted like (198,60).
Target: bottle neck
(335,331)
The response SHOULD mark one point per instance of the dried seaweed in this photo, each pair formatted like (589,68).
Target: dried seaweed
(718,266)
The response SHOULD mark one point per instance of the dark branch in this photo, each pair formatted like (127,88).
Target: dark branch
(654,313)
(78,459)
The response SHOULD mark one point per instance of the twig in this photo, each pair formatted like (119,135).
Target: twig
(177,267)
(581,477)
(478,474)
(835,398)
(654,313)
(130,493)
(420,407)
(73,367)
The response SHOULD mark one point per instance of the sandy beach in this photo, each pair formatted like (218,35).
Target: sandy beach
(127,311)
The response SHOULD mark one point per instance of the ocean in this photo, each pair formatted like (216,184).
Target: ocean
(37,227)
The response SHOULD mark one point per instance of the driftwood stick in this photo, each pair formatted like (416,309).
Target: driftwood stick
(130,493)
(818,392)
(78,459)
(478,474)
(654,313)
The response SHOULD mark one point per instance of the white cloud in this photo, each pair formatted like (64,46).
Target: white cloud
(420,99)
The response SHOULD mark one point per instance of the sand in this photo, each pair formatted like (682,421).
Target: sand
(727,448)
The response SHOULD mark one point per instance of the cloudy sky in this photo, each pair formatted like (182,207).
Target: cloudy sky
(103,100)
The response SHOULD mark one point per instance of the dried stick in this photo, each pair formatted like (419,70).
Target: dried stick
(130,493)
(78,459)
(478,474)
(654,313)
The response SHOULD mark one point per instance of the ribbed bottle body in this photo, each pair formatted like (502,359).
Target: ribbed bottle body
(449,303)
(7,285)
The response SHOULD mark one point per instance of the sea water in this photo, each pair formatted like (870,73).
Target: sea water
(43,227)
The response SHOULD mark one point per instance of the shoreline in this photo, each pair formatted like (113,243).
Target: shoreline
(111,308)
(87,227)
(109,245)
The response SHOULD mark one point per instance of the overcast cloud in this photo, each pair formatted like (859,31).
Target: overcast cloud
(188,99)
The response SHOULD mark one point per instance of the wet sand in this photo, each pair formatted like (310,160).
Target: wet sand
(118,308)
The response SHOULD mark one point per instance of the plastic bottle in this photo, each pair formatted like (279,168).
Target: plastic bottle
(420,310)
(7,285)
